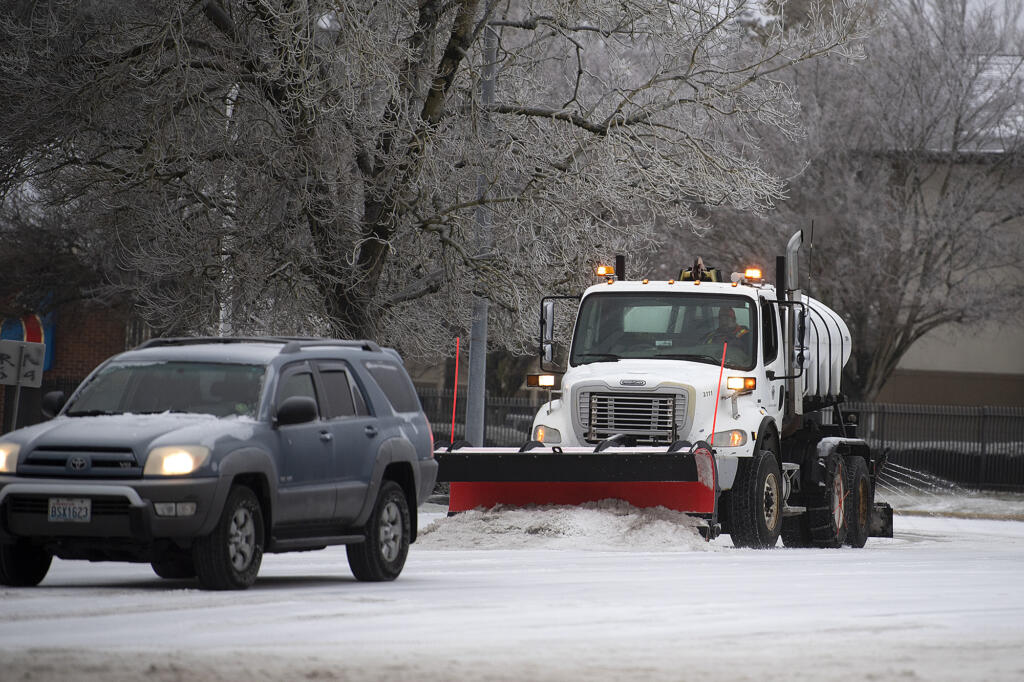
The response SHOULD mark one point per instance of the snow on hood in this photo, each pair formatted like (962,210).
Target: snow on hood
(606,525)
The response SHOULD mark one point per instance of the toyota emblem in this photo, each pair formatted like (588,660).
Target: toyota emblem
(78,463)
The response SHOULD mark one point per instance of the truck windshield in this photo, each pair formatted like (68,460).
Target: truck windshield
(665,326)
(220,389)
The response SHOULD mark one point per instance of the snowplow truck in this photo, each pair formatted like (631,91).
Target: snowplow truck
(721,399)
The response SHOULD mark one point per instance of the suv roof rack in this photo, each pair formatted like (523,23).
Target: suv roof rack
(295,345)
(292,344)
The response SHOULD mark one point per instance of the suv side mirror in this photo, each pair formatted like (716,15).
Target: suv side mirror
(52,403)
(298,409)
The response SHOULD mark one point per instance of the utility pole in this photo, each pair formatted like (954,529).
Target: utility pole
(478,332)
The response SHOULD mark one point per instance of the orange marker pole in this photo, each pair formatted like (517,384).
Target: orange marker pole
(455,393)
(714,420)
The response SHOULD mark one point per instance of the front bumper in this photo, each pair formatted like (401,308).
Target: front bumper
(120,509)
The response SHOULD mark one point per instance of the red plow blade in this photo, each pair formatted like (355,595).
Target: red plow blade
(487,477)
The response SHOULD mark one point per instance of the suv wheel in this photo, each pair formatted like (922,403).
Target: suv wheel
(229,558)
(22,565)
(381,556)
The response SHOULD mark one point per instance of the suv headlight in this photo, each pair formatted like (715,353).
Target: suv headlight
(9,457)
(175,460)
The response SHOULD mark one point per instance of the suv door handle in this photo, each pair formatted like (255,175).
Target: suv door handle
(370,431)
(326,436)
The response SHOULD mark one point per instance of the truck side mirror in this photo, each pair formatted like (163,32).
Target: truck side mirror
(801,327)
(547,330)
(52,403)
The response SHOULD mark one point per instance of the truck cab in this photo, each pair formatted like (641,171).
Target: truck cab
(645,362)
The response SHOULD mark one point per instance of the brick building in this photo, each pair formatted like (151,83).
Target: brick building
(83,335)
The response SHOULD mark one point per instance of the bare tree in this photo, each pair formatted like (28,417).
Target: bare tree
(913,175)
(316,165)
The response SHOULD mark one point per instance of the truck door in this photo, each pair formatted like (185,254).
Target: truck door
(305,452)
(356,437)
(772,357)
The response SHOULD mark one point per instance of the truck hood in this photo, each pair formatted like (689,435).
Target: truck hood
(137,432)
(645,375)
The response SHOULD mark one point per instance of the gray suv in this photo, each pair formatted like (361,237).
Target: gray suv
(198,455)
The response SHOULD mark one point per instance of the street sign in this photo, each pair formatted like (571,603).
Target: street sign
(21,363)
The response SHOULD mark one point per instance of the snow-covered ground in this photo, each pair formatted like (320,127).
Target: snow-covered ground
(603,593)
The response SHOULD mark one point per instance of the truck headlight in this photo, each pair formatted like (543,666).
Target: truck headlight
(9,457)
(175,460)
(729,439)
(546,434)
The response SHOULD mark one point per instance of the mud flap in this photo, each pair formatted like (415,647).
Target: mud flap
(685,481)
(881,521)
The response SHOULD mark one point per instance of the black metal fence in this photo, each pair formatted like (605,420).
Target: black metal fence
(507,420)
(979,447)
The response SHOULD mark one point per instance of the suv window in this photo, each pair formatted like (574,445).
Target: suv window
(219,389)
(343,397)
(296,384)
(395,383)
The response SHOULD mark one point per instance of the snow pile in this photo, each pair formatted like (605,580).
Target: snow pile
(605,525)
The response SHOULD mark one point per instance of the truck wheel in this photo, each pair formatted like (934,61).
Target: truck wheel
(756,502)
(826,508)
(22,565)
(859,502)
(229,558)
(796,532)
(382,554)
(175,565)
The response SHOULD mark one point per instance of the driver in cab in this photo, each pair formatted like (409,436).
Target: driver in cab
(727,330)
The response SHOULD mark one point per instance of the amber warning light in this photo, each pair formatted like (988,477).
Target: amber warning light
(605,271)
(540,380)
(752,274)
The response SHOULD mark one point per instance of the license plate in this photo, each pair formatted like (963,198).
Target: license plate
(70,509)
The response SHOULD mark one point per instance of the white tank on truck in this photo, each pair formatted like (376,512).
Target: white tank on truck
(715,396)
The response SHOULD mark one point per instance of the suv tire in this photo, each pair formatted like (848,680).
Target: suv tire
(382,554)
(229,558)
(175,565)
(22,565)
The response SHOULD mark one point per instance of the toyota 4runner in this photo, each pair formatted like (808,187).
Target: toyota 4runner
(199,455)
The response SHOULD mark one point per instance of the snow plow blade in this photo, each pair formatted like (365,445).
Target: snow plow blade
(685,481)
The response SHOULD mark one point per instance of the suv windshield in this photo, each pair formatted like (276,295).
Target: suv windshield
(219,389)
(665,326)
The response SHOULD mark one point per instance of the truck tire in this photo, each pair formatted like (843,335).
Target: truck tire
(382,554)
(22,565)
(175,565)
(796,532)
(826,508)
(229,558)
(859,502)
(755,513)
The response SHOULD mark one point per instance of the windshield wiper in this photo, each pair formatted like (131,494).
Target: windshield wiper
(598,357)
(689,356)
(90,413)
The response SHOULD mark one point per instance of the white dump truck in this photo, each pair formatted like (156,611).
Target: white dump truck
(717,398)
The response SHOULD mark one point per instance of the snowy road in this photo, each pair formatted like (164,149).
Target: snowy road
(560,595)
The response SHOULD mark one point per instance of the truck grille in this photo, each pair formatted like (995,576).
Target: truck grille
(651,418)
(81,463)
